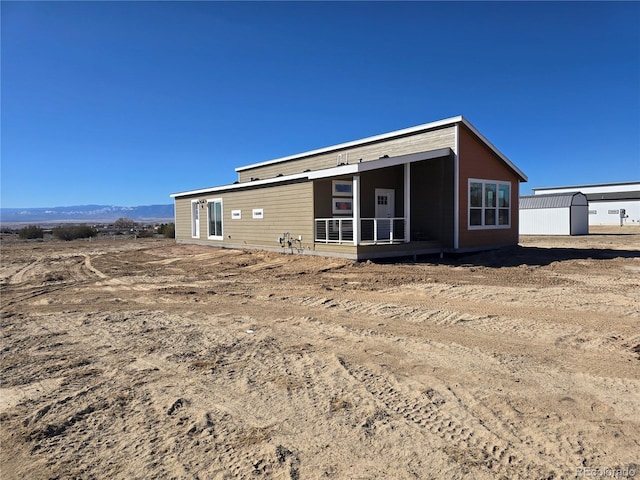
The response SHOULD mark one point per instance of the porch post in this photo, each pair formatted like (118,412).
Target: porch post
(407,202)
(356,210)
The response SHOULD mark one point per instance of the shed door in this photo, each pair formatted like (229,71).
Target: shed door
(385,209)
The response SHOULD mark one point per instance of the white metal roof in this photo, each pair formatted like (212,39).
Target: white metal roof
(554,200)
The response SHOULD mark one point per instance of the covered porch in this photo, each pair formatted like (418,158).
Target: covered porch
(387,203)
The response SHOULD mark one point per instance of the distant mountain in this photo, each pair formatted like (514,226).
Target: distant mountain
(87,213)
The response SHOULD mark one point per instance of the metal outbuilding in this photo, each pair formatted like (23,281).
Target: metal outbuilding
(554,214)
(609,203)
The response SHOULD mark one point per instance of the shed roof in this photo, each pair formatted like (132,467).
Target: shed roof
(398,133)
(553,200)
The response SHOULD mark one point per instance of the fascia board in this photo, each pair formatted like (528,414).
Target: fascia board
(236,186)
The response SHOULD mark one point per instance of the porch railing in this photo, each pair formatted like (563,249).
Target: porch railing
(372,230)
(334,230)
(382,230)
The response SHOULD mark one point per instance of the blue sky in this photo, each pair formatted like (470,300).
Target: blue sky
(123,103)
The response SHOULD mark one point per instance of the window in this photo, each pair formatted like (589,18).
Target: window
(236,214)
(489,204)
(257,213)
(342,188)
(214,209)
(342,206)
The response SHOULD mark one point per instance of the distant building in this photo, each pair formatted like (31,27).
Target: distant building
(609,203)
(554,214)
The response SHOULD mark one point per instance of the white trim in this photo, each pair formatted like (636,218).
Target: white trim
(484,181)
(175,220)
(336,190)
(215,237)
(519,172)
(257,213)
(456,190)
(338,211)
(354,143)
(235,186)
(407,202)
(195,223)
(236,214)
(356,210)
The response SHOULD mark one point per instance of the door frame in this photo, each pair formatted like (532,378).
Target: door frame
(391,205)
(195,219)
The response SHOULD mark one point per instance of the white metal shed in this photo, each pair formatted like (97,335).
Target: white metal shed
(554,214)
(609,203)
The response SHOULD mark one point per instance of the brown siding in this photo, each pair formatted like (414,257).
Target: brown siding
(420,142)
(392,177)
(476,160)
(323,194)
(432,194)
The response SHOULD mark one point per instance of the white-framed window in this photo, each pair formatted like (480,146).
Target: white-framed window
(195,219)
(236,214)
(214,214)
(489,204)
(342,188)
(257,213)
(342,206)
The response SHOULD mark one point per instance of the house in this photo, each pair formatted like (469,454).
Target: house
(554,214)
(441,186)
(609,203)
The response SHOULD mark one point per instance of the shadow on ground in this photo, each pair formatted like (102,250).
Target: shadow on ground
(517,255)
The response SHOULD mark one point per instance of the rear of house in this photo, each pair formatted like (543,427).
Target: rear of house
(440,186)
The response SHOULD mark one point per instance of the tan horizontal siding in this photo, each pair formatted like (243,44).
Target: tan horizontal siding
(287,208)
(420,142)
(183,219)
(344,248)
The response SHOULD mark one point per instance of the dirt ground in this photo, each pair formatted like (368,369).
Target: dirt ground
(144,359)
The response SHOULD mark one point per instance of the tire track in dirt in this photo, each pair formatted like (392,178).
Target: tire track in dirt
(577,330)
(55,275)
(19,277)
(465,440)
(91,268)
